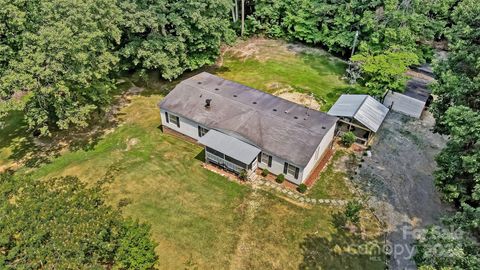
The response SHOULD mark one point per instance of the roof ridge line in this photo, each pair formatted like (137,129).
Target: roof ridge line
(361,104)
(258,111)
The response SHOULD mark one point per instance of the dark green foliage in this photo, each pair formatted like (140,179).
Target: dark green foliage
(62,224)
(456,108)
(302,188)
(243,175)
(265,172)
(443,249)
(62,56)
(280,178)
(352,211)
(382,24)
(174,36)
(348,138)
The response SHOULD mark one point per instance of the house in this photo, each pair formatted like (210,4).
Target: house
(361,114)
(244,129)
(413,101)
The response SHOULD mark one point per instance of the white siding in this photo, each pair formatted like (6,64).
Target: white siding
(190,128)
(404,104)
(187,126)
(322,148)
(277,168)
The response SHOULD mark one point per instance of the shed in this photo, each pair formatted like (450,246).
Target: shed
(413,101)
(361,114)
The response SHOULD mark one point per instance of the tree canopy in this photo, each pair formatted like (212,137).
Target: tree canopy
(63,56)
(60,223)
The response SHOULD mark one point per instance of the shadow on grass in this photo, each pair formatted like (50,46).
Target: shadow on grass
(341,250)
(201,156)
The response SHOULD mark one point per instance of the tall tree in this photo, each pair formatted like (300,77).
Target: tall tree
(174,36)
(60,52)
(62,224)
(456,108)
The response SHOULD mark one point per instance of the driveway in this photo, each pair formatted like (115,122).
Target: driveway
(398,178)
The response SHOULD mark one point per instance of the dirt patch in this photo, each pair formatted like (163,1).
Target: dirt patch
(287,92)
(132,142)
(260,49)
(398,178)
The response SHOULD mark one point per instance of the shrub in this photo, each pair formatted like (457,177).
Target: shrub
(243,175)
(265,172)
(348,138)
(280,178)
(352,211)
(302,188)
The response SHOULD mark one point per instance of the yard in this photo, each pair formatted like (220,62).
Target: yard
(282,69)
(200,219)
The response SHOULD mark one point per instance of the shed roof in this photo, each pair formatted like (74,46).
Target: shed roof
(230,146)
(362,108)
(275,125)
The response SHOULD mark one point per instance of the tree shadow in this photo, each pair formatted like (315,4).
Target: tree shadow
(341,251)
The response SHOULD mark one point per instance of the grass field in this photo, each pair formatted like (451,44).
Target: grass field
(200,219)
(272,66)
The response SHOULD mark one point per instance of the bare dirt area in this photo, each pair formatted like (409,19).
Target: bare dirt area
(398,178)
(296,97)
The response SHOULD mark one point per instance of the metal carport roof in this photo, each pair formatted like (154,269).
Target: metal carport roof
(230,146)
(362,108)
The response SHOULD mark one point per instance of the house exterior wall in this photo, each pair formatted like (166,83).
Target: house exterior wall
(277,168)
(187,126)
(322,148)
(190,128)
(404,104)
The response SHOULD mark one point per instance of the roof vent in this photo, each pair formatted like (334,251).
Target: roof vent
(323,127)
(207,102)
(234,95)
(216,89)
(199,82)
(274,110)
(295,117)
(254,102)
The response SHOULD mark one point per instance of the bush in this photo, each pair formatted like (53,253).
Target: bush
(348,138)
(265,172)
(302,188)
(243,175)
(352,211)
(280,178)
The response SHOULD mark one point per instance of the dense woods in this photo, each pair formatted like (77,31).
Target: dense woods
(59,60)
(62,224)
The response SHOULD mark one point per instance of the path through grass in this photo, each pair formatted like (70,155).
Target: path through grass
(198,217)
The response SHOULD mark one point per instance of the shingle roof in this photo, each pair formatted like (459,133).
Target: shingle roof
(275,125)
(362,108)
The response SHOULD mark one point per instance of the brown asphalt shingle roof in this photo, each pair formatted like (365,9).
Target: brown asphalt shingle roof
(275,125)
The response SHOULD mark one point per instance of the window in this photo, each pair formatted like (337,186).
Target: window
(215,152)
(266,159)
(174,119)
(202,131)
(291,170)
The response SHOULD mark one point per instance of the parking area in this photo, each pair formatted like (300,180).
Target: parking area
(398,178)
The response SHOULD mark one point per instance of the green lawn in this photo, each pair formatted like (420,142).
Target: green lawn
(270,66)
(200,219)
(331,181)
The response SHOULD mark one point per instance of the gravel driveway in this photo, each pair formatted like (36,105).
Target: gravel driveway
(398,178)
